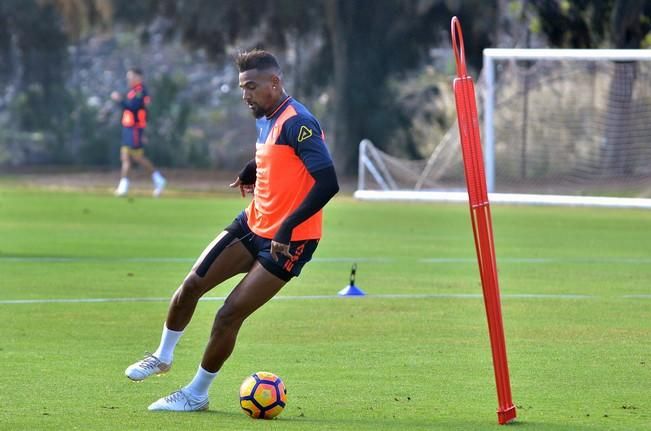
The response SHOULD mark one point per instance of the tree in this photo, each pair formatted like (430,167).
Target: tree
(375,40)
(353,49)
(366,42)
(35,32)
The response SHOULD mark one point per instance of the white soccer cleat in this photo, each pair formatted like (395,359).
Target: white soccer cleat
(179,401)
(159,185)
(146,367)
(122,189)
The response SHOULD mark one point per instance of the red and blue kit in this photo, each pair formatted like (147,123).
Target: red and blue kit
(134,116)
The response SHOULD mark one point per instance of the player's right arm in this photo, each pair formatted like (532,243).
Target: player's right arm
(134,103)
(246,178)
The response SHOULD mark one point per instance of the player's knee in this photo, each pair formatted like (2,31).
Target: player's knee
(190,290)
(228,317)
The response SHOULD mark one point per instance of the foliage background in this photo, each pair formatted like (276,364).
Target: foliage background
(369,69)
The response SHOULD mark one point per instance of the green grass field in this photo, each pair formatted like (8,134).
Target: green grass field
(576,286)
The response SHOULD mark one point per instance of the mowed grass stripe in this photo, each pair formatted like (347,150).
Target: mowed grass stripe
(310,298)
(378,363)
(432,260)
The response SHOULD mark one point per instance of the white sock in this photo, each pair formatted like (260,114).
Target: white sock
(199,386)
(156,177)
(168,340)
(124,183)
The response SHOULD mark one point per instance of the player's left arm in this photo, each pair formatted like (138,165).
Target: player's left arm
(306,137)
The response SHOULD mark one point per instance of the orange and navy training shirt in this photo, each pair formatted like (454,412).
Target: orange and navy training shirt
(290,146)
(134,106)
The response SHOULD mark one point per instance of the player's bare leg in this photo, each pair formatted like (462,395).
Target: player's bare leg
(223,258)
(125,160)
(255,289)
(234,259)
(156,177)
(144,162)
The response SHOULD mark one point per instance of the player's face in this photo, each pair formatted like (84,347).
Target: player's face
(257,91)
(132,78)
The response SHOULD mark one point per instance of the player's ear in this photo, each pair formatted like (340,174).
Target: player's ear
(275,81)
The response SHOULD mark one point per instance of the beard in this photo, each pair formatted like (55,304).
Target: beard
(257,111)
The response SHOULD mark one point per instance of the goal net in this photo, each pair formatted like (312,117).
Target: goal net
(559,127)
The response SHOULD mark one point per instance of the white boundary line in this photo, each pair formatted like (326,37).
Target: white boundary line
(545,260)
(503,198)
(57,259)
(322,297)
(432,260)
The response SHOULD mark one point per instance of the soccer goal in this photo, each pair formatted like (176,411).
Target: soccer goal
(560,127)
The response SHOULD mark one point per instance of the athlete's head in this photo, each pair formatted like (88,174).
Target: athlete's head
(260,81)
(134,76)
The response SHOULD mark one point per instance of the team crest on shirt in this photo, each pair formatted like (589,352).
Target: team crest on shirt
(304,133)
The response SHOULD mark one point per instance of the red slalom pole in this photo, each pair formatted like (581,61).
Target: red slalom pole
(480,214)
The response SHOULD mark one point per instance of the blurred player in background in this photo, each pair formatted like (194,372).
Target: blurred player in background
(292,178)
(134,121)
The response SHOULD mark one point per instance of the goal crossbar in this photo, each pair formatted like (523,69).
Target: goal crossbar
(568,54)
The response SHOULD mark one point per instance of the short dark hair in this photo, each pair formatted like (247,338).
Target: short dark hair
(136,70)
(256,59)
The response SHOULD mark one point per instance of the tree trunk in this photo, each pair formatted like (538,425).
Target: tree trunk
(616,157)
(344,150)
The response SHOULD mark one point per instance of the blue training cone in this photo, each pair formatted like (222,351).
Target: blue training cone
(351,289)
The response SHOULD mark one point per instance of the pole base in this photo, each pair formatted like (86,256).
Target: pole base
(506,416)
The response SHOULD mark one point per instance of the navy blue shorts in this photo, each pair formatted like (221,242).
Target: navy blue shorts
(132,137)
(284,268)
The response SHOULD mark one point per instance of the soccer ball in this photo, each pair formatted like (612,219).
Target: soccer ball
(263,395)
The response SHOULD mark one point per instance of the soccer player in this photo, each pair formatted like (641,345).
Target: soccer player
(134,121)
(291,178)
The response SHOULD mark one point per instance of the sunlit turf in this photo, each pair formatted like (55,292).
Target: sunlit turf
(576,305)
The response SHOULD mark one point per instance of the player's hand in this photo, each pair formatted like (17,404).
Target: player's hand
(244,188)
(278,248)
(116,96)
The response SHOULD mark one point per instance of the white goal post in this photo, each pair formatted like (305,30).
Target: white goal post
(560,127)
